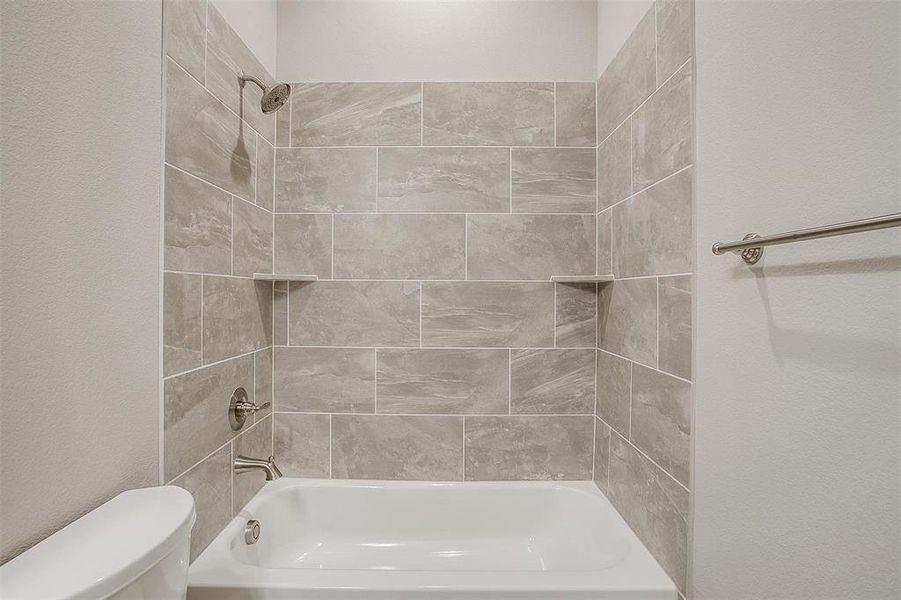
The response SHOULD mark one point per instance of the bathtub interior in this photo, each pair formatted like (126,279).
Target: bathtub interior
(429,527)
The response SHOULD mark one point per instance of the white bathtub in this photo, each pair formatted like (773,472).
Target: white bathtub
(379,540)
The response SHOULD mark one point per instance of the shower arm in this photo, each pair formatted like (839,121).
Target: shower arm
(245,78)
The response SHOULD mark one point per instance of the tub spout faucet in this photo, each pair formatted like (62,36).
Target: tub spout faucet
(245,463)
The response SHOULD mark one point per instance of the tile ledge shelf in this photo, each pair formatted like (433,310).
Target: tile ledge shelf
(284,277)
(581,278)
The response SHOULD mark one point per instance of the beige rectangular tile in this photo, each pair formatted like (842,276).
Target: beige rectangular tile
(627,319)
(301,444)
(575,106)
(675,325)
(237,316)
(661,419)
(662,132)
(444,179)
(652,231)
(356,114)
(252,239)
(675,35)
(198,228)
(303,244)
(350,313)
(529,448)
(430,381)
(206,139)
(601,454)
(488,114)
(325,380)
(185,30)
(549,381)
(654,506)
(210,483)
(407,246)
(554,180)
(605,242)
(254,442)
(227,57)
(265,174)
(614,393)
(530,246)
(325,179)
(615,166)
(262,381)
(576,315)
(488,314)
(280,313)
(425,448)
(181,322)
(195,406)
(629,78)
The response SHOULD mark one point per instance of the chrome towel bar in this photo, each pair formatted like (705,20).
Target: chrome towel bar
(751,246)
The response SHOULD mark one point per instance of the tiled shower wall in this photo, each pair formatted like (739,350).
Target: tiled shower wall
(645,173)
(434,346)
(217,322)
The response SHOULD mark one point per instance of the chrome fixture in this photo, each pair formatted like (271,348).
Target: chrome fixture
(252,532)
(750,248)
(244,464)
(273,97)
(240,407)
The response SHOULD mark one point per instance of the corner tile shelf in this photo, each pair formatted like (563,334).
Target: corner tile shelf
(284,277)
(582,278)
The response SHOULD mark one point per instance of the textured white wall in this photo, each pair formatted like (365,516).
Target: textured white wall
(79,267)
(797,473)
(616,21)
(255,21)
(436,40)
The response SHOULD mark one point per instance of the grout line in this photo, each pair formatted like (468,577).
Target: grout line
(212,364)
(555,310)
(201,319)
(445,415)
(209,183)
(631,372)
(287,313)
(609,444)
(464,448)
(594,445)
(444,213)
(333,249)
(421,112)
(412,348)
(643,102)
(657,318)
(509,381)
(465,247)
(555,113)
(641,364)
(646,188)
(232,235)
(420,314)
(651,460)
(438,146)
(330,446)
(510,180)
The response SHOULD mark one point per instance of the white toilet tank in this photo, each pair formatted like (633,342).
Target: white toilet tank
(134,547)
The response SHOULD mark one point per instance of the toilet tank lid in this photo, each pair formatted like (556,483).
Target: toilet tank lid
(104,550)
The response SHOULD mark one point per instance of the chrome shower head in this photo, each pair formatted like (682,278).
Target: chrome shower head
(273,98)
